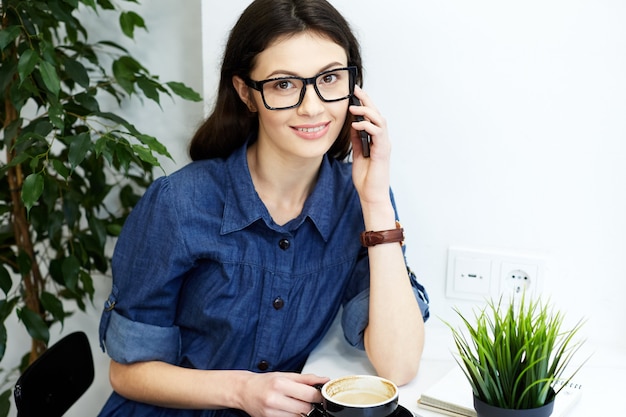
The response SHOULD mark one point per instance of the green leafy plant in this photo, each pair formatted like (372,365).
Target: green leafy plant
(73,169)
(512,355)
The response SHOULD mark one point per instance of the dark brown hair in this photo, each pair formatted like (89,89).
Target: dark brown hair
(231,122)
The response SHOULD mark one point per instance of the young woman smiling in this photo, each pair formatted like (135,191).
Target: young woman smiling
(230,271)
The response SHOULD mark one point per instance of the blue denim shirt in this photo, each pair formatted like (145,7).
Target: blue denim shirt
(203,277)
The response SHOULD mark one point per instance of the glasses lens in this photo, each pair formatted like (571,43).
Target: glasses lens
(334,85)
(286,92)
(282,92)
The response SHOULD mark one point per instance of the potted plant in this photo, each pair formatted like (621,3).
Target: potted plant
(73,166)
(514,354)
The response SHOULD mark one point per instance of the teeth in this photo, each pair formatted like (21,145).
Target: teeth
(310,129)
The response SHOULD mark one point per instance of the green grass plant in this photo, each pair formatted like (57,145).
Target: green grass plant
(513,354)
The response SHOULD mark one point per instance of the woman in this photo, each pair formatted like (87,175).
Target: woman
(230,271)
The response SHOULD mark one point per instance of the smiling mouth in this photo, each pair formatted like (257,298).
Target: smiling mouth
(311,129)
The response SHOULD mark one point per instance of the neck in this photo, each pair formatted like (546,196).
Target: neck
(282,184)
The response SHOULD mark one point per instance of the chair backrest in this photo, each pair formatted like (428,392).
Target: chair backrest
(55,381)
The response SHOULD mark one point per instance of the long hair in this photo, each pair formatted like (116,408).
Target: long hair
(231,122)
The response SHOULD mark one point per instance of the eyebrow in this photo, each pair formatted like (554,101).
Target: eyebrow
(287,73)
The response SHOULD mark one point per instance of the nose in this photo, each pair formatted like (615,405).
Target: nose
(311,103)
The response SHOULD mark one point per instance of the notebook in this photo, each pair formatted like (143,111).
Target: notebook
(452,396)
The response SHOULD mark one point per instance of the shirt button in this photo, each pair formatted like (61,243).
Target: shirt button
(284,244)
(278,303)
(263,366)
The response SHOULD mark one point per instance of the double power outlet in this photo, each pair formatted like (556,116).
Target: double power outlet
(477,274)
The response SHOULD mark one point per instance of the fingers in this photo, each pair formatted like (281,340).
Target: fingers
(290,394)
(374,122)
(307,389)
(364,98)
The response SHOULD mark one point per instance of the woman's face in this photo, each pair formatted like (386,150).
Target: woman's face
(309,130)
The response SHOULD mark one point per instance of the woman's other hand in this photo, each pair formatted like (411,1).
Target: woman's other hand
(280,394)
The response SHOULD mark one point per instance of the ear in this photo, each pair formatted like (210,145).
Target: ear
(244,93)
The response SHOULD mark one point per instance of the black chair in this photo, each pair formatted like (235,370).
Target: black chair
(55,381)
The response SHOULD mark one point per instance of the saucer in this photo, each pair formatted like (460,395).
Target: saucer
(399,412)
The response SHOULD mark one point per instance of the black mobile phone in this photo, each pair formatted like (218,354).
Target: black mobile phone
(365,137)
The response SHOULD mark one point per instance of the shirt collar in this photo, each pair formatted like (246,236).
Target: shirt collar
(243,206)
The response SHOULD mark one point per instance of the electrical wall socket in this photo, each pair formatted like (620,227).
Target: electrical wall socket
(517,278)
(469,274)
(478,274)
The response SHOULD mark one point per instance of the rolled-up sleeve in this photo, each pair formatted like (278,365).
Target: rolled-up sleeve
(139,318)
(126,341)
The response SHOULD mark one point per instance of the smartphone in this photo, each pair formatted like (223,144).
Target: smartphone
(365,137)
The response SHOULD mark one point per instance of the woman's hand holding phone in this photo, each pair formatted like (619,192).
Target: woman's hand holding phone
(370,170)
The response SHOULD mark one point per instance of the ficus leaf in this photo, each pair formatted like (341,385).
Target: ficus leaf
(60,14)
(50,77)
(150,88)
(36,327)
(27,63)
(5,403)
(6,307)
(77,72)
(124,75)
(56,114)
(154,145)
(98,229)
(102,3)
(119,120)
(60,168)
(87,282)
(53,305)
(32,190)
(34,162)
(5,280)
(113,45)
(88,102)
(101,148)
(123,155)
(70,268)
(114,229)
(129,21)
(79,146)
(8,35)
(183,91)
(145,154)
(132,65)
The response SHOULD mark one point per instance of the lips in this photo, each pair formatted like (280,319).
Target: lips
(311,131)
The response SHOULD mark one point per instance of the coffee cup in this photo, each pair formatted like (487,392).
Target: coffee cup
(359,396)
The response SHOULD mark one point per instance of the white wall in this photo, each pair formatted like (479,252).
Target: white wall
(507,120)
(508,125)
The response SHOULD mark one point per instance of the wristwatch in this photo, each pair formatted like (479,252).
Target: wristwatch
(373,238)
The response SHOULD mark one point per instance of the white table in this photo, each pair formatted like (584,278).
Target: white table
(604,391)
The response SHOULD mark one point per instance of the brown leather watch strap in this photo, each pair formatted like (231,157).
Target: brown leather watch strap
(371,238)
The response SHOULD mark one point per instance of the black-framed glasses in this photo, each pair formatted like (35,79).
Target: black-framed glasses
(288,92)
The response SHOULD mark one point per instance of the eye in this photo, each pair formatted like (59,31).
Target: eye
(283,85)
(329,78)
